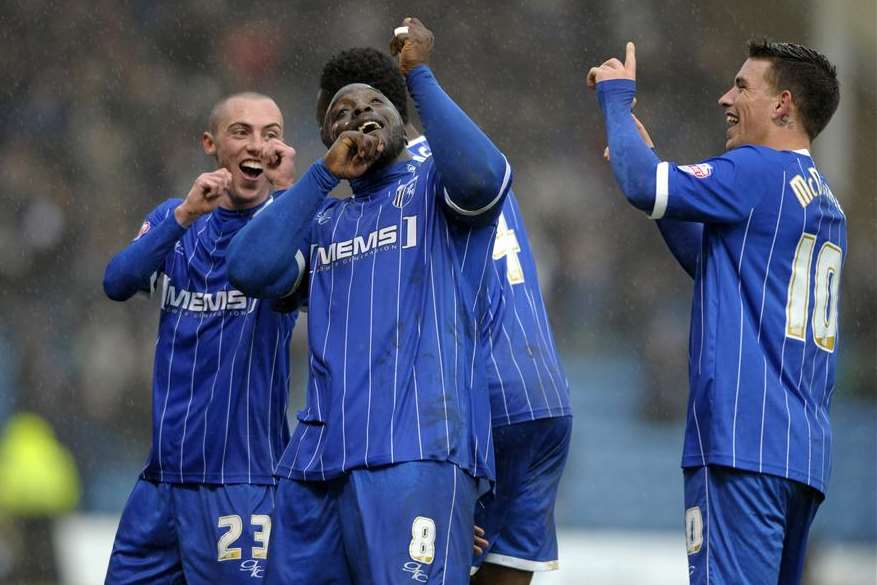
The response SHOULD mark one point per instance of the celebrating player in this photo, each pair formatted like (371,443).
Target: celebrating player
(529,395)
(764,238)
(200,512)
(384,462)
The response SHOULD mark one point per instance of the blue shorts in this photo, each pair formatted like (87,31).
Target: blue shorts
(187,534)
(519,518)
(401,524)
(745,528)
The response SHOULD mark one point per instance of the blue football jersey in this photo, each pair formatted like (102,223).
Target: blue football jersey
(524,373)
(219,390)
(764,322)
(396,364)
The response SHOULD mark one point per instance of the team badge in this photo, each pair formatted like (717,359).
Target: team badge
(405,193)
(143,229)
(700,171)
(323,217)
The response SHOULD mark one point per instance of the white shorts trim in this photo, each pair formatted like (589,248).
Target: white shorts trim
(521,564)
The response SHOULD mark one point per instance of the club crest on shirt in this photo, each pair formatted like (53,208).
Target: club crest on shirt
(700,171)
(322,217)
(405,193)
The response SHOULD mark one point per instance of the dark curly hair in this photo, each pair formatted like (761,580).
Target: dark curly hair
(362,65)
(806,73)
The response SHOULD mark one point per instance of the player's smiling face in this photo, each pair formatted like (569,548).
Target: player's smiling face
(362,108)
(749,105)
(243,128)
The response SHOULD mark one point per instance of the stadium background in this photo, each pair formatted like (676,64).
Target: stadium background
(102,104)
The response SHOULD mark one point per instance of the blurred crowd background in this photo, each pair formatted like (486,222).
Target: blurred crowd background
(102,104)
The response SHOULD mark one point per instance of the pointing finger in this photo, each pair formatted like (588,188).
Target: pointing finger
(630,60)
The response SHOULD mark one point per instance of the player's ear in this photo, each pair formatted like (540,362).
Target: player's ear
(325,135)
(783,106)
(208,144)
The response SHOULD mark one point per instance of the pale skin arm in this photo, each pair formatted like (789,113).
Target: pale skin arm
(203,197)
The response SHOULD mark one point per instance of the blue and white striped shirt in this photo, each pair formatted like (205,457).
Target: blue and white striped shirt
(764,322)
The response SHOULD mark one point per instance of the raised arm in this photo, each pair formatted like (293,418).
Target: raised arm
(268,257)
(475,173)
(684,238)
(131,270)
(706,192)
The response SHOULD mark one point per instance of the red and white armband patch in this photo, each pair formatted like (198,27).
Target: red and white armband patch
(700,171)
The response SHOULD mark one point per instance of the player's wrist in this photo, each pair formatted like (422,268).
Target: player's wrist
(184,216)
(615,94)
(324,175)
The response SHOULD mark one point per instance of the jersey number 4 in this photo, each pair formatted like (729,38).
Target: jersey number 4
(506,245)
(825,291)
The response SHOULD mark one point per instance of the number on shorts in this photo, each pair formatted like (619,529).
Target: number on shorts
(226,552)
(422,547)
(224,549)
(261,536)
(693,530)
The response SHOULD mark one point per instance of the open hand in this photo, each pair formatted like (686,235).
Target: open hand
(414,47)
(615,69)
(279,161)
(204,197)
(352,154)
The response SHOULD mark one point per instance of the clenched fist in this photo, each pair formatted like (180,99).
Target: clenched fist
(279,161)
(204,197)
(352,154)
(414,47)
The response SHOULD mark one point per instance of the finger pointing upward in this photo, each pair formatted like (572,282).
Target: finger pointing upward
(630,60)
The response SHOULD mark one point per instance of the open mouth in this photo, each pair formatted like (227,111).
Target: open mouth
(368,127)
(731,119)
(252,169)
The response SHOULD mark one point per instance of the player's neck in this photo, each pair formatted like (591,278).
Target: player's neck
(792,137)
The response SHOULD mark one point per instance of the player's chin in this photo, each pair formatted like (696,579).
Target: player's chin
(246,188)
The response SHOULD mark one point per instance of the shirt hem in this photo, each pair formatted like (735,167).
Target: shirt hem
(327,473)
(503,420)
(209,479)
(689,461)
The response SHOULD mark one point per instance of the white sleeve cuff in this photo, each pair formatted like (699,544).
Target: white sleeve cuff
(489,206)
(662,190)
(300,261)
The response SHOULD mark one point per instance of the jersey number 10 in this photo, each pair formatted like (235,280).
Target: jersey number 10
(825,291)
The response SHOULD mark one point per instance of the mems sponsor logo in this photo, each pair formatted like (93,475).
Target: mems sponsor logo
(173,298)
(382,239)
